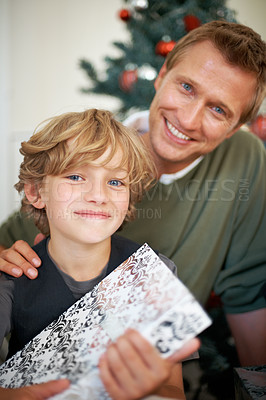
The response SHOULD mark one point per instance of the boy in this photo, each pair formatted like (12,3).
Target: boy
(81,175)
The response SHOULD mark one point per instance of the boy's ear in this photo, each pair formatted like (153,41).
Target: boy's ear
(160,77)
(33,195)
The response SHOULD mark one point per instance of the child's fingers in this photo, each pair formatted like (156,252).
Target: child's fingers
(186,350)
(132,368)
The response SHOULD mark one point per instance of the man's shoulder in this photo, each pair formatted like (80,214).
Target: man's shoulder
(245,141)
(17,226)
(243,151)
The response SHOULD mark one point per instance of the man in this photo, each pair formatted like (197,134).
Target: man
(207,210)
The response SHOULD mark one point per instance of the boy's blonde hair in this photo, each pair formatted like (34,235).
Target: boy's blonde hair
(239,45)
(94,131)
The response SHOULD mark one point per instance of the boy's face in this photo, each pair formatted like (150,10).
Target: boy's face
(197,105)
(87,204)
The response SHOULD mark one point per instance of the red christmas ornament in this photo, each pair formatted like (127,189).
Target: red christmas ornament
(258,127)
(124,14)
(127,79)
(214,301)
(191,22)
(163,48)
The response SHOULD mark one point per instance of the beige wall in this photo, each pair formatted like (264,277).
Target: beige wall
(47,38)
(41,42)
(251,13)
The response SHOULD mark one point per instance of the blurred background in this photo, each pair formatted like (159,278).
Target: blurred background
(41,45)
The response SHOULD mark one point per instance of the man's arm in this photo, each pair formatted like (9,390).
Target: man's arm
(35,392)
(18,226)
(249,332)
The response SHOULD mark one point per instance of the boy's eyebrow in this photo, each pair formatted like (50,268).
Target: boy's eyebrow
(113,169)
(118,169)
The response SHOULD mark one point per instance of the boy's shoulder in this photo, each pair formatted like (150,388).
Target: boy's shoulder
(41,246)
(124,245)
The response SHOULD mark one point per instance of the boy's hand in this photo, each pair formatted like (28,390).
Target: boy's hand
(19,259)
(132,368)
(35,392)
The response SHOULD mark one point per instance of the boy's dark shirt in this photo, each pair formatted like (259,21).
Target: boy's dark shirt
(38,302)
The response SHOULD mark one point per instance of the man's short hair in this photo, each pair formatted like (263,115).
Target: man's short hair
(240,46)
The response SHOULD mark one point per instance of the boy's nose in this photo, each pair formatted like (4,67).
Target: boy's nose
(95,192)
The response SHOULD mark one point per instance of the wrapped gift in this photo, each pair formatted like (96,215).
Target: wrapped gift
(141,293)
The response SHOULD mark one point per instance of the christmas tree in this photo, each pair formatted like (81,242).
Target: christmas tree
(154,26)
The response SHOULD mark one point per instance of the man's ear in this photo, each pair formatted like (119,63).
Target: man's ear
(230,134)
(32,193)
(160,77)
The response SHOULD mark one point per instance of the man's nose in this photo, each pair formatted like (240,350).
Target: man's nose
(191,115)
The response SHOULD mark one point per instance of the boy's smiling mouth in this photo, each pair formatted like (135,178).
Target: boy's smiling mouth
(176,132)
(92,214)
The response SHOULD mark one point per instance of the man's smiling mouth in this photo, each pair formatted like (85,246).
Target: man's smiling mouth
(175,132)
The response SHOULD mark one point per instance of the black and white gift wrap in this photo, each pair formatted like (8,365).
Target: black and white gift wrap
(141,293)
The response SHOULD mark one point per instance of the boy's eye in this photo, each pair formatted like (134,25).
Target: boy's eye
(74,178)
(115,182)
(187,87)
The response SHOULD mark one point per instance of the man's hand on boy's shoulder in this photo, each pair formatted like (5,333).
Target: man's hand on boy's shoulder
(19,259)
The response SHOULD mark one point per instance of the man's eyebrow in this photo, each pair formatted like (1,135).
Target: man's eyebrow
(219,103)
(216,102)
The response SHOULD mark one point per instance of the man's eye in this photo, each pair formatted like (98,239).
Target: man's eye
(219,110)
(74,178)
(187,87)
(115,182)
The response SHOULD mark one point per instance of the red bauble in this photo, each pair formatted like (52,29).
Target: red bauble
(127,79)
(259,127)
(214,301)
(124,14)
(191,22)
(163,48)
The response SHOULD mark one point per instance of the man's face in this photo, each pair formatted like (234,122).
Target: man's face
(197,105)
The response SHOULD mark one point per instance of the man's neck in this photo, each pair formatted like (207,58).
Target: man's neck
(164,166)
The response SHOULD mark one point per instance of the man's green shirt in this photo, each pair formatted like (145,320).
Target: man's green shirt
(211,223)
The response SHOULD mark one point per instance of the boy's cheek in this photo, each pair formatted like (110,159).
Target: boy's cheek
(121,196)
(59,192)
